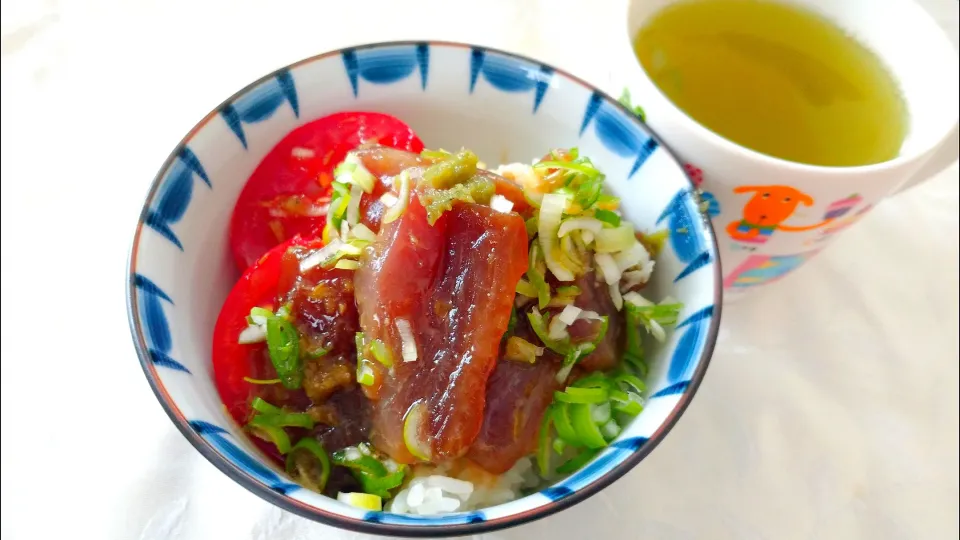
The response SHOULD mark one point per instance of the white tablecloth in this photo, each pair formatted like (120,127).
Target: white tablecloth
(830,409)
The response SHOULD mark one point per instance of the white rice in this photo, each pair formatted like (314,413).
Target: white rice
(431,492)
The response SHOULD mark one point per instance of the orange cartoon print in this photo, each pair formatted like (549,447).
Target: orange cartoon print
(766,212)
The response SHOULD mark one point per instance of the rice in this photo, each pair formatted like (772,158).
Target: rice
(434,490)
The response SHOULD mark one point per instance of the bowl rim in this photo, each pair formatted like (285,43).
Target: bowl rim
(238,475)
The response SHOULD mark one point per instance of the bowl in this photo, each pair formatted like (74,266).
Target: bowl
(503,106)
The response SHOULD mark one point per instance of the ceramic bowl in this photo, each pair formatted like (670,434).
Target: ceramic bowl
(503,106)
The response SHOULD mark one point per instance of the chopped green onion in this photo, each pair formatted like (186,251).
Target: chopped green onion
(283,419)
(532,225)
(273,434)
(380,485)
(582,395)
(608,217)
(630,407)
(259,315)
(262,406)
(380,353)
(304,468)
(352,171)
(631,380)
(600,413)
(283,346)
(353,458)
(635,109)
(453,170)
(585,167)
(521,350)
(587,431)
(347,264)
(365,374)
(561,419)
(525,288)
(261,381)
(654,242)
(340,189)
(403,199)
(559,445)
(568,290)
(537,278)
(575,463)
(319,352)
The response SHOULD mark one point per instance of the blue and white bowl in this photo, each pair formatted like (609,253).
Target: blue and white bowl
(503,106)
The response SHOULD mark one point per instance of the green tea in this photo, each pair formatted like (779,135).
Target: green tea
(775,78)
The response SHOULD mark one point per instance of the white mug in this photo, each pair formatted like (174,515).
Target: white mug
(811,203)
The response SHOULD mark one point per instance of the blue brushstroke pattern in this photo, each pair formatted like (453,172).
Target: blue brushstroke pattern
(684,223)
(174,194)
(260,103)
(388,518)
(601,465)
(154,323)
(618,132)
(217,436)
(510,74)
(694,330)
(386,65)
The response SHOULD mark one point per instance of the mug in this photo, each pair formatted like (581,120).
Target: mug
(802,206)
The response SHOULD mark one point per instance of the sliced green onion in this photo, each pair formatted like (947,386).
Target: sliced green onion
(525,288)
(283,419)
(353,458)
(585,168)
(568,290)
(283,346)
(582,395)
(350,249)
(521,350)
(362,232)
(453,170)
(561,419)
(578,461)
(600,413)
(569,225)
(607,216)
(610,430)
(532,225)
(559,445)
(543,446)
(365,374)
(340,189)
(654,242)
(318,352)
(261,381)
(347,264)
(587,431)
(259,315)
(594,380)
(380,485)
(352,171)
(630,407)
(306,475)
(403,199)
(537,278)
(273,434)
(262,406)
(631,380)
(380,353)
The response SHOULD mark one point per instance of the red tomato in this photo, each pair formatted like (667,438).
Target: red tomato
(232,361)
(288,192)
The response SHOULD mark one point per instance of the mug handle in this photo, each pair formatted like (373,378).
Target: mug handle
(945,156)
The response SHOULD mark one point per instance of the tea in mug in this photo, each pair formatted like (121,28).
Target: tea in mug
(775,78)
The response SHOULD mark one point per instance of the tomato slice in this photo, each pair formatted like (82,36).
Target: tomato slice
(232,361)
(288,192)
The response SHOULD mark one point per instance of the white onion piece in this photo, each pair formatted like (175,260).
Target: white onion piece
(388,199)
(322,254)
(558,329)
(252,334)
(632,256)
(501,204)
(586,315)
(408,347)
(636,299)
(398,209)
(589,224)
(551,211)
(344,229)
(657,331)
(569,314)
(587,237)
(615,296)
(608,268)
(637,277)
(353,207)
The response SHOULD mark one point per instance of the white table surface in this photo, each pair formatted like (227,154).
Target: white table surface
(830,409)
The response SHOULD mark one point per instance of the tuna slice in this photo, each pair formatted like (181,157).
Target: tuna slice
(453,285)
